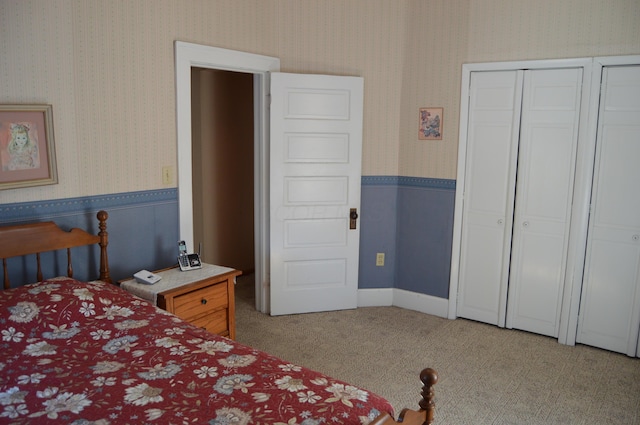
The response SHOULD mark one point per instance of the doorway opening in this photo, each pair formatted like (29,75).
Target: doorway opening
(189,56)
(222,167)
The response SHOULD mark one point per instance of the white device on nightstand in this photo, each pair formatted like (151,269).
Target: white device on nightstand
(145,276)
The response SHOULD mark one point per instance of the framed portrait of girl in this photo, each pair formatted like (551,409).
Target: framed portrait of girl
(27,149)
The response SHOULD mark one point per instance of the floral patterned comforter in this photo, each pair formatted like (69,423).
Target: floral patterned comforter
(83,353)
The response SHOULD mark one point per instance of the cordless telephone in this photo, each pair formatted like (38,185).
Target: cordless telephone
(187,261)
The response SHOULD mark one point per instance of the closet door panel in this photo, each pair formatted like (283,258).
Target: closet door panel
(489,185)
(546,165)
(610,304)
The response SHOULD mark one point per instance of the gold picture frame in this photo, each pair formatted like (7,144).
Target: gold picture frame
(27,148)
(431,123)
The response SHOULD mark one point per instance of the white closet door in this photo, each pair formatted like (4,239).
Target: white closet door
(610,304)
(546,165)
(488,200)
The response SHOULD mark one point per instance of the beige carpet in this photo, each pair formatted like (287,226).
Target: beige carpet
(487,375)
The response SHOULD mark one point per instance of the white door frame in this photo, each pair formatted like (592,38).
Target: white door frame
(188,55)
(582,191)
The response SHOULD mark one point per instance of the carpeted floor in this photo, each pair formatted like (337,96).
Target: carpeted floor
(488,375)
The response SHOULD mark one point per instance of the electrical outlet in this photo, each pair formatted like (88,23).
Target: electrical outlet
(167,175)
(380,259)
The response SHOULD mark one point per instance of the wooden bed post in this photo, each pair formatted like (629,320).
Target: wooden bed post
(424,416)
(104,241)
(5,273)
(429,378)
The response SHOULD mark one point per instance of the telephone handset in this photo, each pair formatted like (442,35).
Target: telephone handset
(187,261)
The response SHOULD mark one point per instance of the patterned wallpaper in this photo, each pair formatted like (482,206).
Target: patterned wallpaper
(107,68)
(37,67)
(435,50)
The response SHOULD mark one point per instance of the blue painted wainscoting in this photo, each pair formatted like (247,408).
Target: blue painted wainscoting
(142,226)
(410,219)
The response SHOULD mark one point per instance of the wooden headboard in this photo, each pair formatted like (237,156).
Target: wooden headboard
(36,238)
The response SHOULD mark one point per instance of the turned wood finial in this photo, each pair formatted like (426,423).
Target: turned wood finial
(104,241)
(102,217)
(429,378)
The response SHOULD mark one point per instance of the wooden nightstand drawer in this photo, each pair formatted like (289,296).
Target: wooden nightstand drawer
(201,301)
(215,322)
(203,297)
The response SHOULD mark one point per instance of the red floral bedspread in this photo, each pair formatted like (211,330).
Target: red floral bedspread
(81,353)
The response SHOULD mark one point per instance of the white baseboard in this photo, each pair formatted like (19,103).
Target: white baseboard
(420,302)
(404,299)
(375,297)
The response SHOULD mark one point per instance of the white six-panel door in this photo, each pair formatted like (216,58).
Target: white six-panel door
(546,168)
(316,151)
(610,305)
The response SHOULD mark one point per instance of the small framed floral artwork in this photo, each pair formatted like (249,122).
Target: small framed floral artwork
(430,124)
(27,149)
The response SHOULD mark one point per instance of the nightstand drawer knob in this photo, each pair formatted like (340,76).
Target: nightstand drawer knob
(203,301)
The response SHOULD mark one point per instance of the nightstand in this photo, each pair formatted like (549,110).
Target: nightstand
(203,297)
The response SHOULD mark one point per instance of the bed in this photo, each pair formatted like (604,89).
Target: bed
(91,353)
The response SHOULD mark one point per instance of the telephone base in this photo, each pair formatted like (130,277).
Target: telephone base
(189,262)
